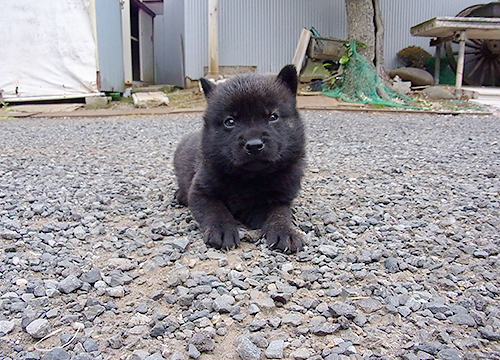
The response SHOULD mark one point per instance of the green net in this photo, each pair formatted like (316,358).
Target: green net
(360,84)
(446,75)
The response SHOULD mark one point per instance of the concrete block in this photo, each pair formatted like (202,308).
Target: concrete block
(150,99)
(97,101)
(404,87)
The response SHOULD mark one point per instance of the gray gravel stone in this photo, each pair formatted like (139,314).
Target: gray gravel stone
(80,232)
(6,327)
(342,309)
(93,311)
(449,354)
(369,305)
(156,356)
(91,276)
(116,341)
(223,303)
(180,243)
(193,352)
(400,213)
(83,356)
(256,325)
(301,354)
(488,333)
(203,341)
(292,319)
(253,309)
(177,355)
(437,307)
(116,292)
(258,340)
(9,234)
(247,350)
(325,328)
(157,294)
(139,354)
(90,345)
(328,250)
(405,311)
(391,265)
(56,354)
(275,349)
(69,284)
(463,319)
(428,347)
(38,328)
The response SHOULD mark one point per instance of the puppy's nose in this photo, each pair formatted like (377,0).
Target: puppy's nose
(253,146)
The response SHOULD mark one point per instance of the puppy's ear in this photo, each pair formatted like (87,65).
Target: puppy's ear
(207,86)
(288,75)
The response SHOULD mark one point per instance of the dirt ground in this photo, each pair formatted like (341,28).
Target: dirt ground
(192,100)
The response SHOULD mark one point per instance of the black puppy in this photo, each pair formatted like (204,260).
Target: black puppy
(245,165)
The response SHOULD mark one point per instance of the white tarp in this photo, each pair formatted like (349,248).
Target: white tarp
(47,49)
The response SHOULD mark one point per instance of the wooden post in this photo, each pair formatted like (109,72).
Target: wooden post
(300,51)
(213,35)
(437,66)
(127,42)
(460,63)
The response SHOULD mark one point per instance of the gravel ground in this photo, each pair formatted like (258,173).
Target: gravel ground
(401,213)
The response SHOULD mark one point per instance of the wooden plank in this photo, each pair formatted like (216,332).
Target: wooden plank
(441,40)
(213,36)
(460,62)
(437,66)
(474,27)
(146,52)
(300,51)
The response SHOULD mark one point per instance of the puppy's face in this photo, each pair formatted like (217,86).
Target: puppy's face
(251,123)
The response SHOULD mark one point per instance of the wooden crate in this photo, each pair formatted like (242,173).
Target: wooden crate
(323,48)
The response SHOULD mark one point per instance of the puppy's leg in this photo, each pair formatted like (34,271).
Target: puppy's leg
(181,196)
(220,229)
(279,231)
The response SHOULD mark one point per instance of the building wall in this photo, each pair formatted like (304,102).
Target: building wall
(169,34)
(109,45)
(262,33)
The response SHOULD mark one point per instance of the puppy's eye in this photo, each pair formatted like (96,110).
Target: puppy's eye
(273,117)
(229,122)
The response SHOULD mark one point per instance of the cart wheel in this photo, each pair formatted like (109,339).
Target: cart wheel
(482,57)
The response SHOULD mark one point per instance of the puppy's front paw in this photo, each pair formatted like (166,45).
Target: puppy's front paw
(284,239)
(222,236)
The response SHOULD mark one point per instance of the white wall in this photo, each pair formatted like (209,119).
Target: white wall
(48,50)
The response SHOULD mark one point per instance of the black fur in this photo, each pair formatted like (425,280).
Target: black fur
(245,165)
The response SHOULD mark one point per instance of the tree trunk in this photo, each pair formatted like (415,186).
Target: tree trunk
(379,40)
(364,20)
(361,26)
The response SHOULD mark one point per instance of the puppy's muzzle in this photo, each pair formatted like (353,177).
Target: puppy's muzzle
(254,146)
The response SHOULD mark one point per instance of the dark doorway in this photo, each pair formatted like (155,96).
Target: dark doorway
(134,34)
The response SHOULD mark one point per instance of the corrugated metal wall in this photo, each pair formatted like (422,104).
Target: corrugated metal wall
(168,46)
(262,33)
(400,15)
(196,35)
(109,45)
